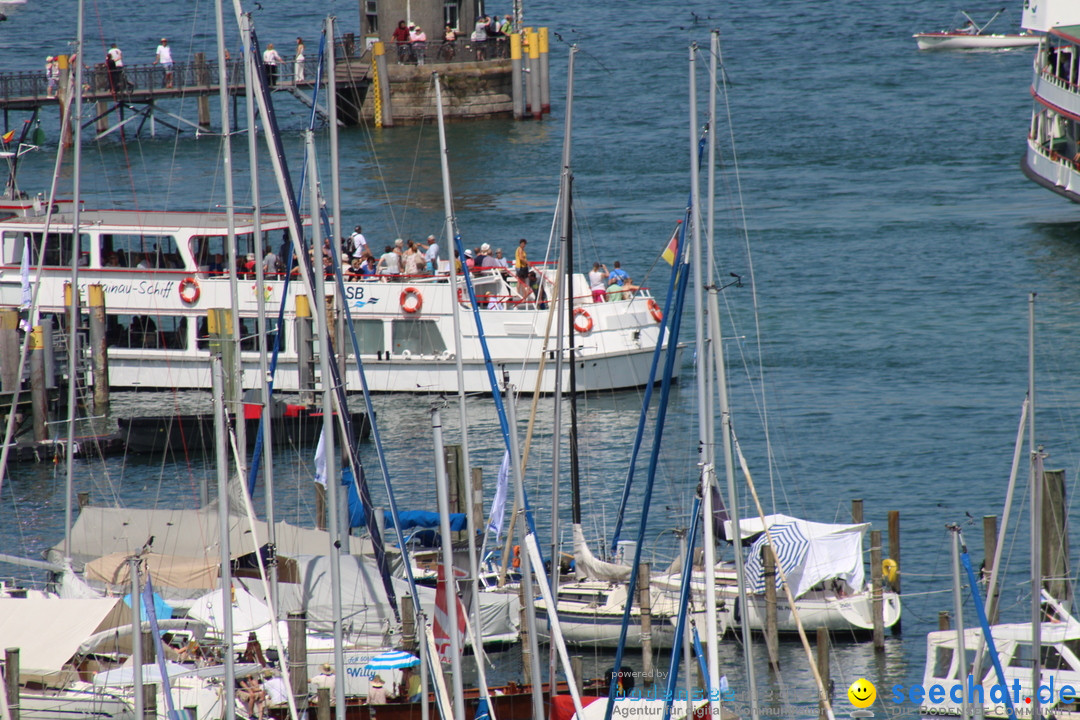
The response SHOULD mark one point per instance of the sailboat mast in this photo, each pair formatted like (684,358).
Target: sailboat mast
(729,473)
(217,373)
(1036,521)
(333,484)
(443,492)
(260,295)
(73,308)
(237,369)
(958,608)
(709,470)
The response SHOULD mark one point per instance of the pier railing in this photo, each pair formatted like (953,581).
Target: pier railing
(202,74)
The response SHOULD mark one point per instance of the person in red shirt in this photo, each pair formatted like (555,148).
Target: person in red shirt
(401,39)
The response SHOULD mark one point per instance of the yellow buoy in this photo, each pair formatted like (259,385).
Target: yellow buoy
(890,569)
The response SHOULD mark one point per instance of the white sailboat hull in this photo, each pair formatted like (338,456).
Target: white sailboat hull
(961,41)
(71,703)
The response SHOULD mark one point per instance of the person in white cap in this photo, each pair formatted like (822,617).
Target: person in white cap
(163,57)
(431,253)
(52,74)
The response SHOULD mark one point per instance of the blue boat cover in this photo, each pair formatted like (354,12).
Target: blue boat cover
(409,518)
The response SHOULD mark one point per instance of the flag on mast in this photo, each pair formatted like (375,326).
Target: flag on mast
(444,590)
(671,252)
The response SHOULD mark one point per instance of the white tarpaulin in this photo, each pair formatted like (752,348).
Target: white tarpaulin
(48,631)
(809,552)
(248,612)
(366,615)
(102,531)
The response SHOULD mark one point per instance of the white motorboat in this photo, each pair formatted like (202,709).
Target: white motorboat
(161,273)
(973,36)
(591,614)
(966,41)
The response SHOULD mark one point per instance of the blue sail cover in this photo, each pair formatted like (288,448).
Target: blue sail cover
(409,518)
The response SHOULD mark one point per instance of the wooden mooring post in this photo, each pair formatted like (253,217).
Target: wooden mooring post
(11,680)
(305,353)
(1055,538)
(943,620)
(823,669)
(772,637)
(298,673)
(877,590)
(9,350)
(99,347)
(38,396)
(990,533)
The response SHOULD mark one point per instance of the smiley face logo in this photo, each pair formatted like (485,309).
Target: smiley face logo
(862,693)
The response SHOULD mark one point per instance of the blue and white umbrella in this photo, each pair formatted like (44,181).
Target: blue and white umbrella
(392,660)
(791,547)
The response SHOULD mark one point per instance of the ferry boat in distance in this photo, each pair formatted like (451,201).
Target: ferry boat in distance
(1052,157)
(159,275)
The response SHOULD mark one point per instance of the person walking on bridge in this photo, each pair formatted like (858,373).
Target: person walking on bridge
(271,58)
(163,57)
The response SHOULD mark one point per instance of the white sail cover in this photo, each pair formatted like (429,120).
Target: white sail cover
(1041,15)
(809,552)
(48,631)
(366,614)
(101,531)
(589,566)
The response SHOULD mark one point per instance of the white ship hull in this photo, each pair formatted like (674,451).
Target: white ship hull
(157,329)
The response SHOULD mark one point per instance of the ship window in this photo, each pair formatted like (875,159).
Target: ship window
(1051,658)
(57,249)
(419,337)
(369,336)
(141,251)
(249,338)
(159,332)
(210,253)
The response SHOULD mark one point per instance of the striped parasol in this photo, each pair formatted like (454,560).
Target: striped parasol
(392,660)
(791,547)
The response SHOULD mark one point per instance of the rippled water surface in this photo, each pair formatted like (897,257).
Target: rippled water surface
(894,244)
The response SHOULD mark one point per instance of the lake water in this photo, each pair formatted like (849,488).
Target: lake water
(894,244)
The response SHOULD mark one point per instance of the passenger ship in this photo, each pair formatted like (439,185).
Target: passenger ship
(157,270)
(1052,157)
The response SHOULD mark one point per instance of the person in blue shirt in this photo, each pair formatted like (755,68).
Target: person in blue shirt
(618,275)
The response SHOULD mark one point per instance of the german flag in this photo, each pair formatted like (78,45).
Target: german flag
(8,136)
(671,252)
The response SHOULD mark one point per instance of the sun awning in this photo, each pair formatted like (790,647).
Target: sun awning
(48,631)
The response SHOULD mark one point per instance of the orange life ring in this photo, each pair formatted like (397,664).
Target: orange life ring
(411,301)
(463,296)
(582,327)
(189,290)
(655,311)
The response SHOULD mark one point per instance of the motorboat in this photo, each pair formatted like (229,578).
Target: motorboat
(973,36)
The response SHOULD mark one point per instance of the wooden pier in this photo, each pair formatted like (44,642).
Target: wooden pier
(480,82)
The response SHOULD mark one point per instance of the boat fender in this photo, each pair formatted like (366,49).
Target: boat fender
(406,354)
(411,301)
(189,290)
(655,311)
(445,355)
(890,569)
(582,321)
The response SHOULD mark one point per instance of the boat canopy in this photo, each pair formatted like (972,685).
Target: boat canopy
(809,552)
(49,631)
(1070,33)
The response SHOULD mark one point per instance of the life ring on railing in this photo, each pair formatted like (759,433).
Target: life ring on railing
(655,311)
(463,296)
(411,301)
(582,321)
(189,290)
